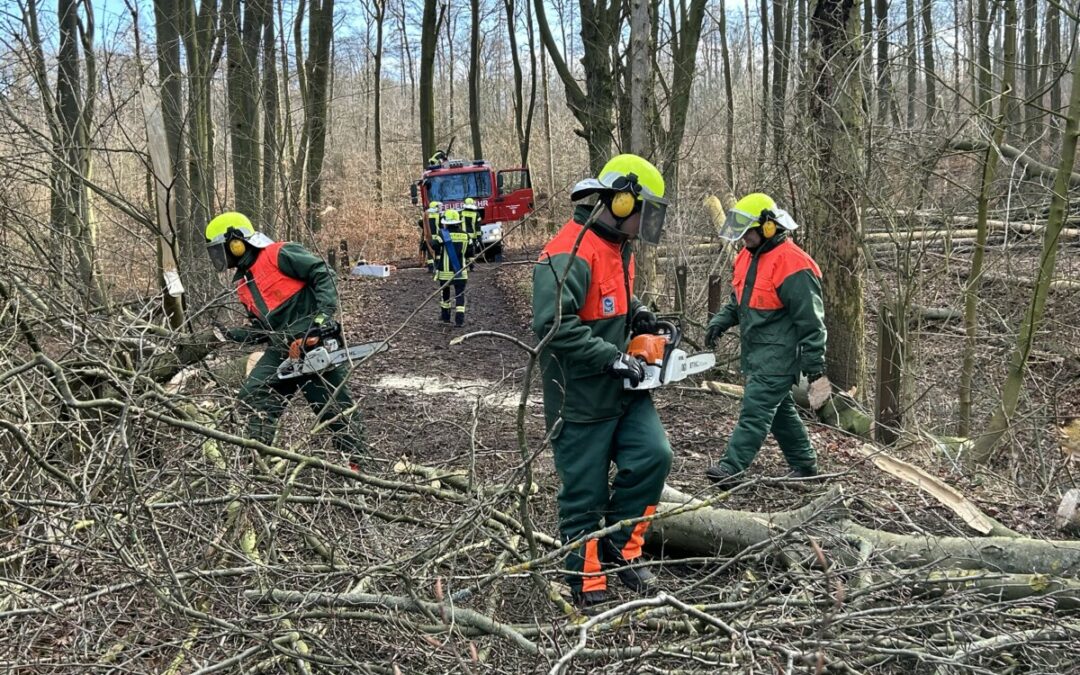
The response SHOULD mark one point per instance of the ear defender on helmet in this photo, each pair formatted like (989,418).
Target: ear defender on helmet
(768,224)
(624,201)
(237,247)
(622,204)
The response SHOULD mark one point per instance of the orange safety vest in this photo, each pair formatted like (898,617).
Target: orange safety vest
(773,268)
(266,282)
(608,295)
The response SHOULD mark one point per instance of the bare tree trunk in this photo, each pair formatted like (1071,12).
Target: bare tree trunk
(517,93)
(1032,127)
(316,105)
(429,34)
(243,30)
(729,98)
(987,443)
(167,22)
(600,30)
(271,167)
(912,60)
(202,49)
(526,136)
(781,47)
(550,154)
(474,74)
(380,20)
(835,136)
(640,76)
(886,106)
(764,107)
(928,60)
(71,118)
(1053,50)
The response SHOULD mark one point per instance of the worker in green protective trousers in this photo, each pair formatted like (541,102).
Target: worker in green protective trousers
(776,302)
(582,298)
(287,292)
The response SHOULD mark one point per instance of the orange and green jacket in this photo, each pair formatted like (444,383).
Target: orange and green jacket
(594,310)
(283,287)
(776,302)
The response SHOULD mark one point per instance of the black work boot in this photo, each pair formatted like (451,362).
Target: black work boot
(586,600)
(459,318)
(637,578)
(722,476)
(803,472)
(444,314)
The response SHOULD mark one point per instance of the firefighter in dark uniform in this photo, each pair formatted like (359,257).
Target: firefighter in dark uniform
(593,419)
(470,218)
(776,302)
(287,292)
(429,225)
(451,269)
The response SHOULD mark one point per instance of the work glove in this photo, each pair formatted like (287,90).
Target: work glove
(819,390)
(643,322)
(712,334)
(627,367)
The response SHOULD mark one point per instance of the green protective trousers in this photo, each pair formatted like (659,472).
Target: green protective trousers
(636,443)
(325,392)
(768,407)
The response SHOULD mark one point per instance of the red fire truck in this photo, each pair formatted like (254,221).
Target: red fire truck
(503,197)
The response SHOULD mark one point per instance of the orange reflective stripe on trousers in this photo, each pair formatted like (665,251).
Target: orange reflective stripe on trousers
(637,537)
(594,580)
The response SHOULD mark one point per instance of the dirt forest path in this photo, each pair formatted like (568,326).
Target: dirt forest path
(453,407)
(425,399)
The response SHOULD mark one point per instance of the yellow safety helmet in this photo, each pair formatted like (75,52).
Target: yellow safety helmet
(450,217)
(227,239)
(756,209)
(630,184)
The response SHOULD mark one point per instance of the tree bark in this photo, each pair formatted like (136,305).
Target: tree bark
(988,442)
(763,17)
(316,104)
(167,23)
(928,60)
(474,74)
(1032,128)
(429,34)
(974,278)
(380,20)
(243,29)
(912,60)
(600,31)
(271,165)
(710,531)
(835,137)
(729,99)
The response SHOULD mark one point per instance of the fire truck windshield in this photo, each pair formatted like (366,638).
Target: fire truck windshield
(457,186)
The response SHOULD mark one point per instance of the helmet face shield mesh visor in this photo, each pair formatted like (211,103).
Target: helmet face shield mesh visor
(216,249)
(736,225)
(653,214)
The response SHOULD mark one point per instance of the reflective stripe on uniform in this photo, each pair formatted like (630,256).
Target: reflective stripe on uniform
(594,580)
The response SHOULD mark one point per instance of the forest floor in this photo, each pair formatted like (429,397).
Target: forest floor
(431,402)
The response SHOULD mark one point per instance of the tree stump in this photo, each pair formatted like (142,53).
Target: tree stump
(1068,513)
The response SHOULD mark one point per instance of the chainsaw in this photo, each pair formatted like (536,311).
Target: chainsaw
(664,361)
(321,350)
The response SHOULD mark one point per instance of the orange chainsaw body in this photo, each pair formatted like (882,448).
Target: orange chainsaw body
(649,348)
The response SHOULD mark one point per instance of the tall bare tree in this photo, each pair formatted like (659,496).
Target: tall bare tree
(379,15)
(927,7)
(429,35)
(69,113)
(986,444)
(974,281)
(601,24)
(243,25)
(475,119)
(316,104)
(832,212)
(523,118)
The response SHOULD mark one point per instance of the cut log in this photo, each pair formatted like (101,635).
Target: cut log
(945,494)
(705,530)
